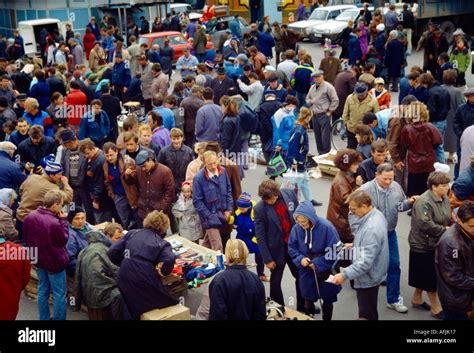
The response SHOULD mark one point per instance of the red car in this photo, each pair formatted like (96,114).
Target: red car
(177,41)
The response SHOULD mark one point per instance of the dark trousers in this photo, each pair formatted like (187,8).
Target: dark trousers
(367,301)
(81,197)
(275,282)
(322,133)
(148,105)
(455,315)
(189,139)
(260,264)
(417,183)
(351,140)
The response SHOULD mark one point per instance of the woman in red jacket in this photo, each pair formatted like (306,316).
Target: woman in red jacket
(14,276)
(88,40)
(421,139)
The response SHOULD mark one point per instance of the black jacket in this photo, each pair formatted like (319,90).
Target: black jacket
(230,139)
(237,294)
(221,88)
(463,119)
(408,19)
(455,270)
(267,110)
(438,103)
(268,228)
(111,105)
(177,161)
(34,154)
(56,85)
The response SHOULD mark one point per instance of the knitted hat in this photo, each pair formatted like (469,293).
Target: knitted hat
(244,200)
(67,136)
(72,213)
(50,166)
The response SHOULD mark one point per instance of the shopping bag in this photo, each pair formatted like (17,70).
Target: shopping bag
(276,166)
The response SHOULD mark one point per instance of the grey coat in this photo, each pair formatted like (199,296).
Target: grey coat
(147,79)
(389,202)
(429,219)
(370,250)
(188,220)
(456,99)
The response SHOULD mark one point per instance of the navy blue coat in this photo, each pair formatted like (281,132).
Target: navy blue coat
(379,44)
(237,294)
(394,58)
(212,197)
(268,228)
(314,244)
(463,119)
(267,43)
(34,154)
(11,175)
(463,186)
(42,93)
(439,103)
(167,58)
(353,47)
(298,148)
(121,76)
(137,254)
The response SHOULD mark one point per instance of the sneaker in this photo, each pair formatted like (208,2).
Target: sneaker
(316,203)
(398,306)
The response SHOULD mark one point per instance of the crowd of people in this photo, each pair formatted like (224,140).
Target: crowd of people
(69,160)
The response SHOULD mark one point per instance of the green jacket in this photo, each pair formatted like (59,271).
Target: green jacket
(429,219)
(460,59)
(355,110)
(200,41)
(96,276)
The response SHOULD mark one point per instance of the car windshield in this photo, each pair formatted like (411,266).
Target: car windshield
(174,40)
(319,15)
(348,15)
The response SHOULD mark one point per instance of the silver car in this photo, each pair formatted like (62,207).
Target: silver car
(223,25)
(319,15)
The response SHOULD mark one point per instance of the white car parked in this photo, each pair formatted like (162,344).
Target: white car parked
(319,15)
(331,29)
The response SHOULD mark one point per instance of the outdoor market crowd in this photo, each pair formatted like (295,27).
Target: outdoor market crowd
(70,159)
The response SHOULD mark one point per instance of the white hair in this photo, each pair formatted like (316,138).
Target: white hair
(393,34)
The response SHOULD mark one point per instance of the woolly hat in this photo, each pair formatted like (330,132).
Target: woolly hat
(244,200)
(50,166)
(72,213)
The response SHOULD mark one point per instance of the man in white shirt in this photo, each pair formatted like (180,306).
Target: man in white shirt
(254,91)
(288,65)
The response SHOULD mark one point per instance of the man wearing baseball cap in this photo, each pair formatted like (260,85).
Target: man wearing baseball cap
(357,104)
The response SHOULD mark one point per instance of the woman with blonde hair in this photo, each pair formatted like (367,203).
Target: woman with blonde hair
(236,293)
(298,149)
(421,139)
(140,255)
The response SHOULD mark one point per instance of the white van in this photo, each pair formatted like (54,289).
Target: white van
(30,31)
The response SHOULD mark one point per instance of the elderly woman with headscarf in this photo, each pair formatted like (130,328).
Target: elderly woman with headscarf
(7,199)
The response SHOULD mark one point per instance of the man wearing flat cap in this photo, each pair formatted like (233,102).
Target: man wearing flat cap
(322,99)
(435,45)
(155,183)
(357,104)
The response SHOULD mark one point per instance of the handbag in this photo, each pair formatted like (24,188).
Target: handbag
(276,166)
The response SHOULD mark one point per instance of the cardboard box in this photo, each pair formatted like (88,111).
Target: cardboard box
(176,312)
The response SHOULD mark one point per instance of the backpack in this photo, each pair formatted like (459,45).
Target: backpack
(248,119)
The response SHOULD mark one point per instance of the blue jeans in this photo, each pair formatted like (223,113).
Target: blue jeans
(303,185)
(441,126)
(56,283)
(301,102)
(393,273)
(123,209)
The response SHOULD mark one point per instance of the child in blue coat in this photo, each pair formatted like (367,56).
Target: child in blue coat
(244,220)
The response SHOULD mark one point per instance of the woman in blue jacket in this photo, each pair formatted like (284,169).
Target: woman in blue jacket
(78,227)
(283,122)
(355,53)
(298,149)
(310,240)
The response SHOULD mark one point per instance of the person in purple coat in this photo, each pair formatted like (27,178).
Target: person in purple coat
(47,230)
(143,257)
